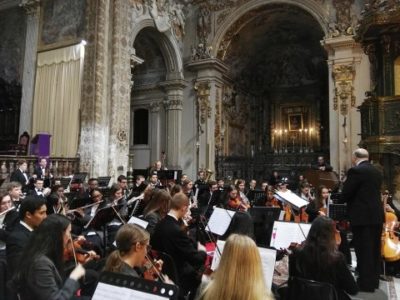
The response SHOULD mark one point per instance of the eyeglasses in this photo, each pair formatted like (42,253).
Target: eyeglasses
(96,196)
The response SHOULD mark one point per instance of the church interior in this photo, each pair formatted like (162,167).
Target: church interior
(237,88)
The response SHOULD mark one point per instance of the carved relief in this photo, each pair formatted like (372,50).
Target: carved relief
(154,107)
(166,15)
(343,76)
(30,6)
(203,100)
(346,20)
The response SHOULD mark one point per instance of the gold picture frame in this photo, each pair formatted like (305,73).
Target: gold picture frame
(295,122)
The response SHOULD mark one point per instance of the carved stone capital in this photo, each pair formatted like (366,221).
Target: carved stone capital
(154,107)
(203,91)
(343,76)
(173,104)
(30,6)
(346,20)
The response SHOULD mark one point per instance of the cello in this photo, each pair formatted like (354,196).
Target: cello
(390,246)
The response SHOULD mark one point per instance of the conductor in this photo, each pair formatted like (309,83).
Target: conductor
(361,192)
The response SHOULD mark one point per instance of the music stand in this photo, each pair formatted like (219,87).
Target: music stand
(117,286)
(338,212)
(263,219)
(65,182)
(79,177)
(103,216)
(256,197)
(104,181)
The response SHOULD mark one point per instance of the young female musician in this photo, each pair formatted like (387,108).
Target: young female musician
(132,243)
(40,274)
(242,279)
(157,209)
(318,259)
(318,206)
(233,199)
(270,200)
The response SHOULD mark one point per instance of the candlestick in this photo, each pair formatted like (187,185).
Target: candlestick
(286,137)
(311,139)
(301,140)
(280,140)
(306,138)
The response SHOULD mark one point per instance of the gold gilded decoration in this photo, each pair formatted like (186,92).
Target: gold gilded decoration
(343,76)
(203,100)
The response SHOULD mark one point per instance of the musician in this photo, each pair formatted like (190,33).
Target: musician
(121,210)
(390,207)
(169,238)
(240,186)
(43,172)
(305,192)
(40,274)
(38,189)
(93,183)
(20,174)
(318,259)
(31,213)
(233,282)
(275,178)
(318,206)
(138,187)
(322,165)
(207,199)
(154,182)
(361,192)
(132,243)
(271,201)
(233,199)
(157,209)
(264,185)
(221,184)
(7,220)
(187,189)
(123,184)
(183,178)
(252,185)
(201,178)
(14,189)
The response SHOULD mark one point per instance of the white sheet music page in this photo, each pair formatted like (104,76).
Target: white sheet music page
(220,221)
(106,291)
(284,233)
(268,257)
(137,221)
(292,198)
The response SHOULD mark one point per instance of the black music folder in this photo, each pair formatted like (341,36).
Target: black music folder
(256,197)
(104,181)
(79,177)
(103,216)
(263,219)
(115,286)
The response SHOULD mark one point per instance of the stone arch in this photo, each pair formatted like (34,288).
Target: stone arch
(233,20)
(168,45)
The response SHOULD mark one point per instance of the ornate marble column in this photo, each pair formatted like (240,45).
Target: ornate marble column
(348,82)
(28,79)
(173,109)
(155,127)
(208,87)
(119,126)
(94,138)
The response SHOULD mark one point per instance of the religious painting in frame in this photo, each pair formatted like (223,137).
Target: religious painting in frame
(295,122)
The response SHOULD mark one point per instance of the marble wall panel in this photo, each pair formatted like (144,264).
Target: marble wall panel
(12,44)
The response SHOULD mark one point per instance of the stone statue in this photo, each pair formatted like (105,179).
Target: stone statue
(203,23)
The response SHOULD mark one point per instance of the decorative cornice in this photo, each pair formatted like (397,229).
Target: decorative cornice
(175,84)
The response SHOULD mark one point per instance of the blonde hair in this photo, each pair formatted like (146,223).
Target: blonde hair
(127,236)
(239,275)
(179,200)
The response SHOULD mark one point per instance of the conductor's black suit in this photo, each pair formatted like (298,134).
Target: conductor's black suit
(361,192)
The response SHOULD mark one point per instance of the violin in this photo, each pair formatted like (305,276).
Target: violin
(74,251)
(152,269)
(238,204)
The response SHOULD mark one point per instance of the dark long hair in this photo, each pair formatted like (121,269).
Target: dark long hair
(319,251)
(319,202)
(159,203)
(46,240)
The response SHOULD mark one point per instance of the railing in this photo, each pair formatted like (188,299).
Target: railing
(59,166)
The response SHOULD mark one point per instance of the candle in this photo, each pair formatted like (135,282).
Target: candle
(301,139)
(280,140)
(286,137)
(306,137)
(311,139)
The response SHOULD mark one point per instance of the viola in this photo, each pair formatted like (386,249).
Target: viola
(238,204)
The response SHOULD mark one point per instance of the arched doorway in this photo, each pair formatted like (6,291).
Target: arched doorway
(276,104)
(155,92)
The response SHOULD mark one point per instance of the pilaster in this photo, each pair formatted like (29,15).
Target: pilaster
(32,10)
(155,125)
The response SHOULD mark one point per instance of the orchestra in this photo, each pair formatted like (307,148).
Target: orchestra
(99,220)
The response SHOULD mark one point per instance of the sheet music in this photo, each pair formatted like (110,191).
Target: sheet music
(268,257)
(220,221)
(106,291)
(284,233)
(292,198)
(137,221)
